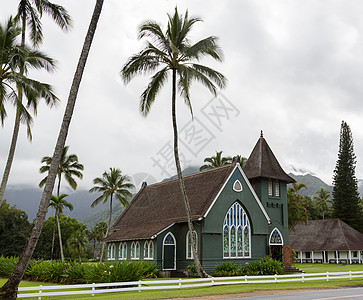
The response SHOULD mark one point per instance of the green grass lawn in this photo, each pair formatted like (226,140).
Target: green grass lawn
(230,289)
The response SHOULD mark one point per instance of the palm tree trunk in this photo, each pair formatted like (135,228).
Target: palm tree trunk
(10,288)
(197,263)
(53,238)
(108,229)
(60,238)
(11,154)
(59,182)
(14,138)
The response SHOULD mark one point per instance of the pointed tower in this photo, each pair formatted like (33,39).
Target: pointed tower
(270,181)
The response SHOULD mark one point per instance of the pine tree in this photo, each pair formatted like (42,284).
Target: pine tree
(345,190)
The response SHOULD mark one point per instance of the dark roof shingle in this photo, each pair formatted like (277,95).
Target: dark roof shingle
(324,235)
(263,163)
(160,205)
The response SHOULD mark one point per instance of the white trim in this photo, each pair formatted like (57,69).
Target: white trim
(276,244)
(161,231)
(162,257)
(249,186)
(312,256)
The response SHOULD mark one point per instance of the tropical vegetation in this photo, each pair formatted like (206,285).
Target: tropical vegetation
(112,183)
(9,289)
(171,51)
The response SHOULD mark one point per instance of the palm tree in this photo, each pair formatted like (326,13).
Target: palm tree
(15,62)
(9,289)
(172,51)
(242,160)
(296,205)
(322,197)
(68,166)
(58,203)
(29,15)
(100,230)
(77,243)
(216,161)
(112,183)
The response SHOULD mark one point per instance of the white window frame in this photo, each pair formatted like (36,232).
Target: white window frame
(122,247)
(270,188)
(282,239)
(111,251)
(241,221)
(148,250)
(188,245)
(237,189)
(134,246)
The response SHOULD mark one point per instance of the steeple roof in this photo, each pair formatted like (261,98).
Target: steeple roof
(263,163)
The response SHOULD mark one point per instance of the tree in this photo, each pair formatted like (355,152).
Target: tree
(216,161)
(112,183)
(68,166)
(58,203)
(29,15)
(345,185)
(322,199)
(77,243)
(9,289)
(15,62)
(172,52)
(242,160)
(296,205)
(14,229)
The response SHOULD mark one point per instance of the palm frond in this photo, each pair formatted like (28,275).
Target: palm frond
(58,13)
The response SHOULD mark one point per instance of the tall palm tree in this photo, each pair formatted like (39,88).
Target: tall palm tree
(29,14)
(15,62)
(77,243)
(322,197)
(216,161)
(68,166)
(9,289)
(172,52)
(59,203)
(110,184)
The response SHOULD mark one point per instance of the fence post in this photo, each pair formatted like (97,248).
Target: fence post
(212,280)
(275,278)
(40,292)
(302,277)
(180,284)
(139,286)
(327,276)
(245,278)
(350,275)
(93,289)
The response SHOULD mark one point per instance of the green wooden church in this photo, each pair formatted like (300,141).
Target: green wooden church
(239,214)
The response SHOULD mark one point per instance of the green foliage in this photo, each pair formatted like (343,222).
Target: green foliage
(345,190)
(297,212)
(68,227)
(263,266)
(14,229)
(74,272)
(192,271)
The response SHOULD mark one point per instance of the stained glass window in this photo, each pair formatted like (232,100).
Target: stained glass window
(169,240)
(275,237)
(236,233)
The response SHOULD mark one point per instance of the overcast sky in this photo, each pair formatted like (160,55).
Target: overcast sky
(294,70)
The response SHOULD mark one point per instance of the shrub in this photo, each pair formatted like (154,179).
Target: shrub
(227,269)
(7,265)
(264,266)
(192,271)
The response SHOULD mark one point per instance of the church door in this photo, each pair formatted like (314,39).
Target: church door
(169,252)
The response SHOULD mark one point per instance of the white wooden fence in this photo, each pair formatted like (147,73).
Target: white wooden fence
(98,288)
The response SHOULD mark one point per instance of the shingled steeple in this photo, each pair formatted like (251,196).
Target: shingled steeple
(263,163)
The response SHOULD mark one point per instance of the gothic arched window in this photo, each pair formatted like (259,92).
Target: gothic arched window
(236,233)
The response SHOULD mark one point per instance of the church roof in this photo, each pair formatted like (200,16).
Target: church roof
(158,206)
(324,235)
(263,163)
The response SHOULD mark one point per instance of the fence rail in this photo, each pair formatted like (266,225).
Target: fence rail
(98,288)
